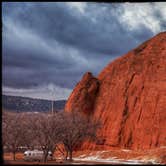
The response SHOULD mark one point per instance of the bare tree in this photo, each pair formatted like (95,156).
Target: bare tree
(12,131)
(75,128)
(45,129)
(27,138)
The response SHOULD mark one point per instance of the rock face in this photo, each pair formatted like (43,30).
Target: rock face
(129,97)
(84,92)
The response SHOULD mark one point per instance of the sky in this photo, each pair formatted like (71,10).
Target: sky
(48,46)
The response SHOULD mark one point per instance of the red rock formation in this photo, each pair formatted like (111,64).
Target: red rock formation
(130,98)
(84,92)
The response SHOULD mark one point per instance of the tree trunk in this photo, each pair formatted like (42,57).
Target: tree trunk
(45,156)
(14,155)
(70,155)
(66,155)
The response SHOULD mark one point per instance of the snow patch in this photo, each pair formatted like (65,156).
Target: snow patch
(126,150)
(108,160)
(98,158)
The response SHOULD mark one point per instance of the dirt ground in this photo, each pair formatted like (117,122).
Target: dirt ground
(156,155)
(8,159)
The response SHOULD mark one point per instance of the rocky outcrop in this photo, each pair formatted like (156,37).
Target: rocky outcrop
(131,98)
(83,96)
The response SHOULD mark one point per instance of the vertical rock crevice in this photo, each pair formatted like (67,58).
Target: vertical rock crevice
(125,110)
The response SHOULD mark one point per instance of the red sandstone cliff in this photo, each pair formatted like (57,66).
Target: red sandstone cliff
(84,92)
(129,97)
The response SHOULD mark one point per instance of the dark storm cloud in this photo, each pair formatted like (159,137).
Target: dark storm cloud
(56,43)
(57,22)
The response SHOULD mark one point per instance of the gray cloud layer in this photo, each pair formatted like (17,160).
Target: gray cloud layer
(55,43)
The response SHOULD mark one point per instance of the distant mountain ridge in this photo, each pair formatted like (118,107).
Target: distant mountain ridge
(26,104)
